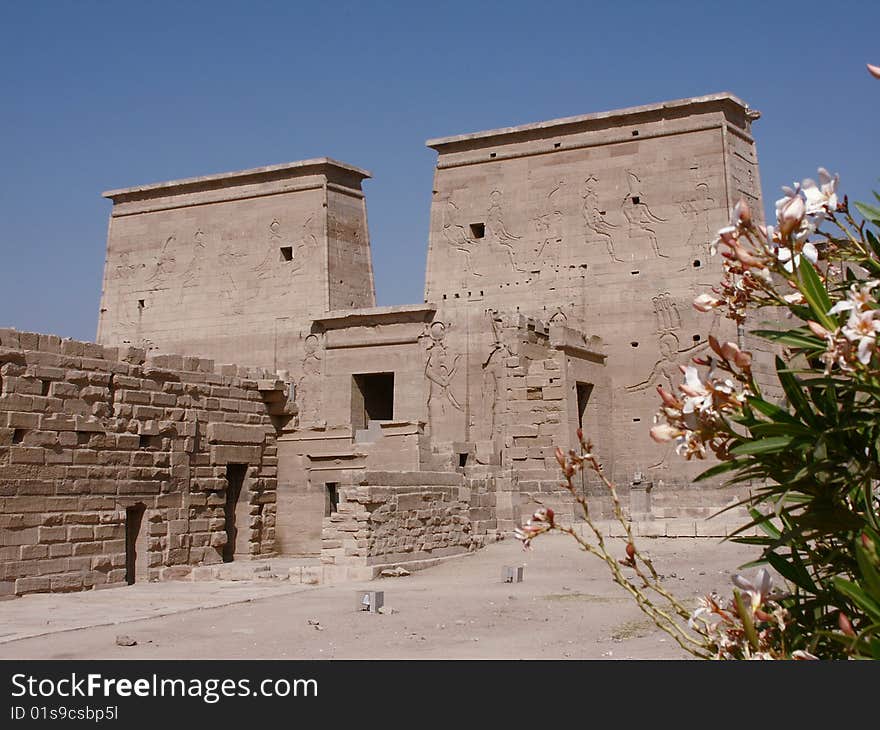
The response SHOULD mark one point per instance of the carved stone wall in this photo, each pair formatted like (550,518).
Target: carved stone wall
(235,266)
(602,222)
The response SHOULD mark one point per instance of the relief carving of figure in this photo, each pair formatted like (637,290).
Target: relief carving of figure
(548,225)
(666,371)
(191,272)
(496,230)
(493,373)
(308,389)
(439,371)
(458,236)
(124,269)
(594,217)
(640,217)
(165,262)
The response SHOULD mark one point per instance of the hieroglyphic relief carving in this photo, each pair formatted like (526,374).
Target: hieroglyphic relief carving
(642,220)
(439,370)
(124,269)
(548,225)
(308,394)
(305,246)
(695,210)
(492,375)
(190,274)
(458,236)
(666,370)
(496,230)
(594,217)
(164,264)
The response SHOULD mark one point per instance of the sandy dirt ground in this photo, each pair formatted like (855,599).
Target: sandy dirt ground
(566,607)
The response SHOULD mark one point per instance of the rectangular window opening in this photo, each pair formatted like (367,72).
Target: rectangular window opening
(372,399)
(636,199)
(141,303)
(463,459)
(478,230)
(287,253)
(18,435)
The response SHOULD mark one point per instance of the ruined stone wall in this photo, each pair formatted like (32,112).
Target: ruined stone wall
(397,517)
(88,432)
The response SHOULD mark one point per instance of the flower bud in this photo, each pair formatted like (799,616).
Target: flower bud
(706,303)
(560,457)
(630,550)
(664,432)
(790,213)
(746,258)
(874,70)
(667,398)
(742,214)
(743,360)
(844,624)
(729,351)
(817,329)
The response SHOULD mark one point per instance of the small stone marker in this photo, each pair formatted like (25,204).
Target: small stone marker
(125,640)
(370,601)
(512,574)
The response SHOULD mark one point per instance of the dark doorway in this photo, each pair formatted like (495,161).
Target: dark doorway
(331,498)
(583,395)
(372,399)
(235,474)
(136,560)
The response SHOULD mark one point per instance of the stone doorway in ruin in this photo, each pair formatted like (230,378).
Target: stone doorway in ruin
(137,558)
(236,510)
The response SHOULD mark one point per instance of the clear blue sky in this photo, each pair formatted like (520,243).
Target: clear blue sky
(100,95)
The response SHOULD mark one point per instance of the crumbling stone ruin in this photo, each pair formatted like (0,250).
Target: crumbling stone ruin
(563,258)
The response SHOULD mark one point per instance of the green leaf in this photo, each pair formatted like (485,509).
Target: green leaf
(791,571)
(854,592)
(770,410)
(815,294)
(794,394)
(869,573)
(875,247)
(872,213)
(769,445)
(781,429)
(763,521)
(722,468)
(791,338)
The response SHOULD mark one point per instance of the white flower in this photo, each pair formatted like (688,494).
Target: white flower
(697,396)
(857,298)
(790,210)
(863,326)
(757,590)
(791,261)
(821,196)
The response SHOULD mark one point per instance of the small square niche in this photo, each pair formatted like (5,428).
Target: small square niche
(478,230)
(287,253)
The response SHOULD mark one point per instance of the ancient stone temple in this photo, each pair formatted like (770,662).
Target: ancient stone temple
(563,258)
